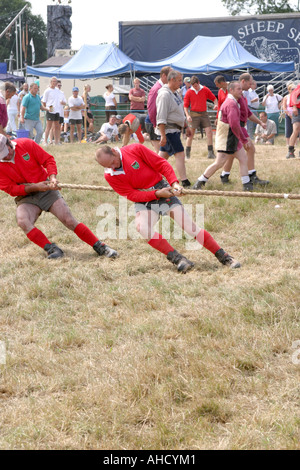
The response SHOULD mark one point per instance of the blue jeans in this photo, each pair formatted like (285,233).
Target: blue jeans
(37,125)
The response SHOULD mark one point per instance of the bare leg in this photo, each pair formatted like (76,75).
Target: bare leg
(47,130)
(221,160)
(27,215)
(72,127)
(251,156)
(145,221)
(209,135)
(228,163)
(189,139)
(180,165)
(79,132)
(62,211)
(156,145)
(57,132)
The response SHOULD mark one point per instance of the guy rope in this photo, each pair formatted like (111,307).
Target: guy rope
(194,192)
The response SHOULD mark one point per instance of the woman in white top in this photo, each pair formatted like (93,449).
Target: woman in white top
(12,112)
(110,102)
(271,102)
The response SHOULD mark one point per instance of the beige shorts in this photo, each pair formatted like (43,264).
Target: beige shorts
(200,118)
(44,200)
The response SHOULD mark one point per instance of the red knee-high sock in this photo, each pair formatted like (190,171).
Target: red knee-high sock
(85,234)
(160,243)
(205,239)
(37,237)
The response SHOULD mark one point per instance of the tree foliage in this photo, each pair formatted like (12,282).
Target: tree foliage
(261,7)
(37,30)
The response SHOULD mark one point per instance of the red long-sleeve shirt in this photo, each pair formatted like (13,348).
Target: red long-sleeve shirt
(222,95)
(197,100)
(141,169)
(31,165)
(295,97)
(3,112)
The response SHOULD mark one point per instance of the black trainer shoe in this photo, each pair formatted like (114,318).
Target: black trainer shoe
(211,154)
(256,180)
(226,259)
(225,179)
(290,155)
(198,185)
(248,186)
(182,263)
(185,183)
(105,250)
(53,251)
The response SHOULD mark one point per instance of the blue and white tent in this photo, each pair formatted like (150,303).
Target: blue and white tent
(89,62)
(213,54)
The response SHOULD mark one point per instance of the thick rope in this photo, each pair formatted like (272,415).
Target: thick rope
(194,192)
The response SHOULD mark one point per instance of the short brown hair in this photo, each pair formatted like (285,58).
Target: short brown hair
(219,79)
(165,70)
(8,86)
(194,79)
(245,76)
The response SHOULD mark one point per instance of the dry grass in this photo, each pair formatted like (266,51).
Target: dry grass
(131,355)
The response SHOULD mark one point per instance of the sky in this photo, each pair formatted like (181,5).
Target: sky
(96,21)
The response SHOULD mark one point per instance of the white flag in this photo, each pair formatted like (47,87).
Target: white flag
(32,50)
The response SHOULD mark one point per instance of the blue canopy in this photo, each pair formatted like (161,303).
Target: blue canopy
(213,54)
(90,62)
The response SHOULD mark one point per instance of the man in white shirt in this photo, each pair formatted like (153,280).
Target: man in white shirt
(76,105)
(52,100)
(108,131)
(265,136)
(253,104)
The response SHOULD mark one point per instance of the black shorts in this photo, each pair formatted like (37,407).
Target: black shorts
(61,119)
(75,121)
(52,116)
(174,144)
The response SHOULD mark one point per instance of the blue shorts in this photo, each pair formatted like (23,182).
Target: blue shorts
(173,144)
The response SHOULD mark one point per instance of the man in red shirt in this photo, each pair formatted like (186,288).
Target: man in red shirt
(222,85)
(137,173)
(131,125)
(195,108)
(29,173)
(295,103)
(137,96)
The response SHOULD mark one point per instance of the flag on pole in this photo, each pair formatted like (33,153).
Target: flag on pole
(32,50)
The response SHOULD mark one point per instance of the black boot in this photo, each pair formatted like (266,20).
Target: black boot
(53,251)
(248,186)
(225,179)
(256,180)
(198,185)
(226,259)
(105,250)
(182,263)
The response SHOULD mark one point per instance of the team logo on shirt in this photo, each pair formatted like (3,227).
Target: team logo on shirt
(26,157)
(135,165)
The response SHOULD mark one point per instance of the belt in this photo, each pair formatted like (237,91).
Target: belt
(172,125)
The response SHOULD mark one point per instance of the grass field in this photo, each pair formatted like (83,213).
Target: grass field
(129,354)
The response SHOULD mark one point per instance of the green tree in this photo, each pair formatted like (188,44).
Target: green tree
(37,30)
(261,7)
